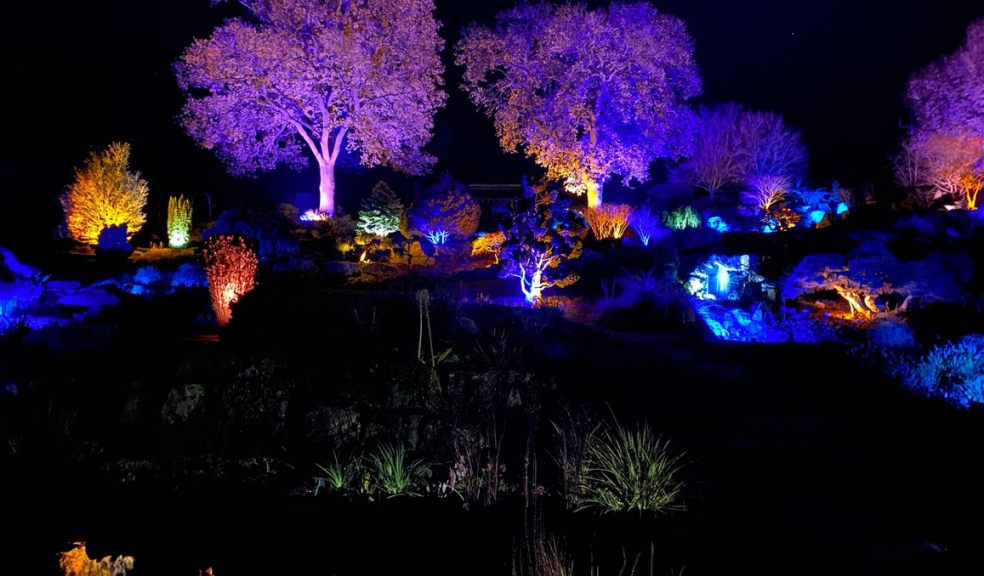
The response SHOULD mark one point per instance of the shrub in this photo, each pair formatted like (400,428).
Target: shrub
(630,471)
(338,476)
(380,212)
(188,275)
(645,223)
(891,333)
(445,209)
(230,266)
(178,222)
(393,474)
(272,233)
(681,218)
(608,220)
(114,239)
(105,193)
(953,371)
(490,243)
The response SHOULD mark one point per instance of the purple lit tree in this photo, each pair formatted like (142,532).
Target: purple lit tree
(585,93)
(944,152)
(733,146)
(317,75)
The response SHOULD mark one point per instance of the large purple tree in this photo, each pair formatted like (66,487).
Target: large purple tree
(944,152)
(316,77)
(586,93)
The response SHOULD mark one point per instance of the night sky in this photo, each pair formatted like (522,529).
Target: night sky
(86,73)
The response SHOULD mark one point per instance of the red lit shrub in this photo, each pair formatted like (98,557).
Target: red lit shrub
(230,266)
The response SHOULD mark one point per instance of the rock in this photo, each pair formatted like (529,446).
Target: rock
(10,262)
(183,404)
(465,326)
(341,268)
(89,298)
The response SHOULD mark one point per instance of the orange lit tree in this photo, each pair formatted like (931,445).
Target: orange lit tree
(608,220)
(105,193)
(230,266)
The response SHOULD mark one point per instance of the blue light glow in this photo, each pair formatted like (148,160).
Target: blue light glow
(717,223)
(842,208)
(438,237)
(817,216)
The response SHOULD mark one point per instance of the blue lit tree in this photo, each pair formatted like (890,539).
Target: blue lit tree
(539,242)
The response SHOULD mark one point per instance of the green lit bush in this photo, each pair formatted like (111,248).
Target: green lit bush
(630,471)
(681,218)
(395,475)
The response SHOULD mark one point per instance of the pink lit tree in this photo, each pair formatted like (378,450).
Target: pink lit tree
(318,78)
(586,93)
(944,152)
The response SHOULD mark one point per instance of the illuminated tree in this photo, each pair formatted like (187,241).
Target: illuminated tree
(733,145)
(947,96)
(178,222)
(767,191)
(944,152)
(716,160)
(105,193)
(646,223)
(326,76)
(445,210)
(585,93)
(489,244)
(380,212)
(230,266)
(540,240)
(770,147)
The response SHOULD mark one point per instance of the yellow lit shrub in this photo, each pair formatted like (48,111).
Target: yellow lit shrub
(608,220)
(105,193)
(489,244)
(230,266)
(76,562)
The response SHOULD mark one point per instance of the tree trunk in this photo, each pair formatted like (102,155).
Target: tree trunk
(594,194)
(326,203)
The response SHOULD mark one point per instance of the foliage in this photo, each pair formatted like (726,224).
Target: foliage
(629,471)
(230,266)
(105,193)
(338,476)
(380,212)
(953,371)
(540,240)
(446,206)
(682,218)
(573,433)
(608,220)
(393,474)
(645,223)
(76,562)
(114,239)
(272,232)
(586,93)
(891,334)
(490,243)
(321,77)
(178,222)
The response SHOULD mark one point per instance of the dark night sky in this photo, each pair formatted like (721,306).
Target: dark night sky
(86,73)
